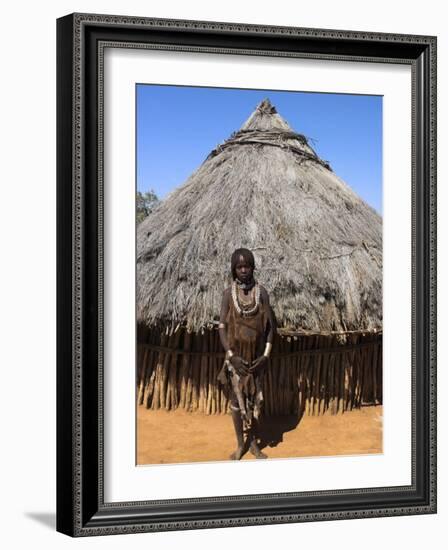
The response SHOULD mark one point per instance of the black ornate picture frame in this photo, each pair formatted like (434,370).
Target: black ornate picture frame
(81,508)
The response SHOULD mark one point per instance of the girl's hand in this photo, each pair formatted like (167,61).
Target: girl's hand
(241,366)
(259,364)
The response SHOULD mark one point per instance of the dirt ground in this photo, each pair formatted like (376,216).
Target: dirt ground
(165,437)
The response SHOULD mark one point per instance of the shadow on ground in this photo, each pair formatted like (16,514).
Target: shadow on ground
(272,428)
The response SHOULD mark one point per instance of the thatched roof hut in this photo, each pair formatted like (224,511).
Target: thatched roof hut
(317,245)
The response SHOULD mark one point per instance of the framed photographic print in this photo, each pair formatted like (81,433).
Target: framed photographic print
(246,274)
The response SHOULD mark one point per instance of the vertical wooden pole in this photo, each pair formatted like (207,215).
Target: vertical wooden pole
(158,381)
(380,369)
(185,369)
(210,373)
(307,368)
(342,368)
(203,373)
(172,399)
(318,367)
(153,339)
(293,376)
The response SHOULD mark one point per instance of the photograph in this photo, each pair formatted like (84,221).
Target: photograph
(246,274)
(259,274)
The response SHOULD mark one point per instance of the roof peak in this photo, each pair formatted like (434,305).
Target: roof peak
(266,117)
(266,107)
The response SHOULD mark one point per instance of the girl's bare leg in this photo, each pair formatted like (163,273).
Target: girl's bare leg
(253,438)
(238,425)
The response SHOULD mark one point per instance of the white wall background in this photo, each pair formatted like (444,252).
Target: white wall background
(28,274)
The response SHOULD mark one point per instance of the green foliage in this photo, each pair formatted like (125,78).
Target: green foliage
(145,204)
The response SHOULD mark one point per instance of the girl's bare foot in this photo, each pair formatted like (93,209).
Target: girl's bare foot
(255,450)
(237,454)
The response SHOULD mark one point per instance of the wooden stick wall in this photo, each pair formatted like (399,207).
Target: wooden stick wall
(313,374)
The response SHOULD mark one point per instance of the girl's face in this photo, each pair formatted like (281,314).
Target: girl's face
(243,270)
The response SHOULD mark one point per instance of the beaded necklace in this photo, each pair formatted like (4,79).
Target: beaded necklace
(236,302)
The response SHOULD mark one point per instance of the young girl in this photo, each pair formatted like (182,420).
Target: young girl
(246,329)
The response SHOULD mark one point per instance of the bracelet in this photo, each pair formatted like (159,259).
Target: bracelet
(267,349)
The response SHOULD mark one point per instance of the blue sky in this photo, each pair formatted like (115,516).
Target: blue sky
(178,126)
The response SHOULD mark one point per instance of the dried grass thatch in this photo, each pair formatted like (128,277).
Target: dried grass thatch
(318,246)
